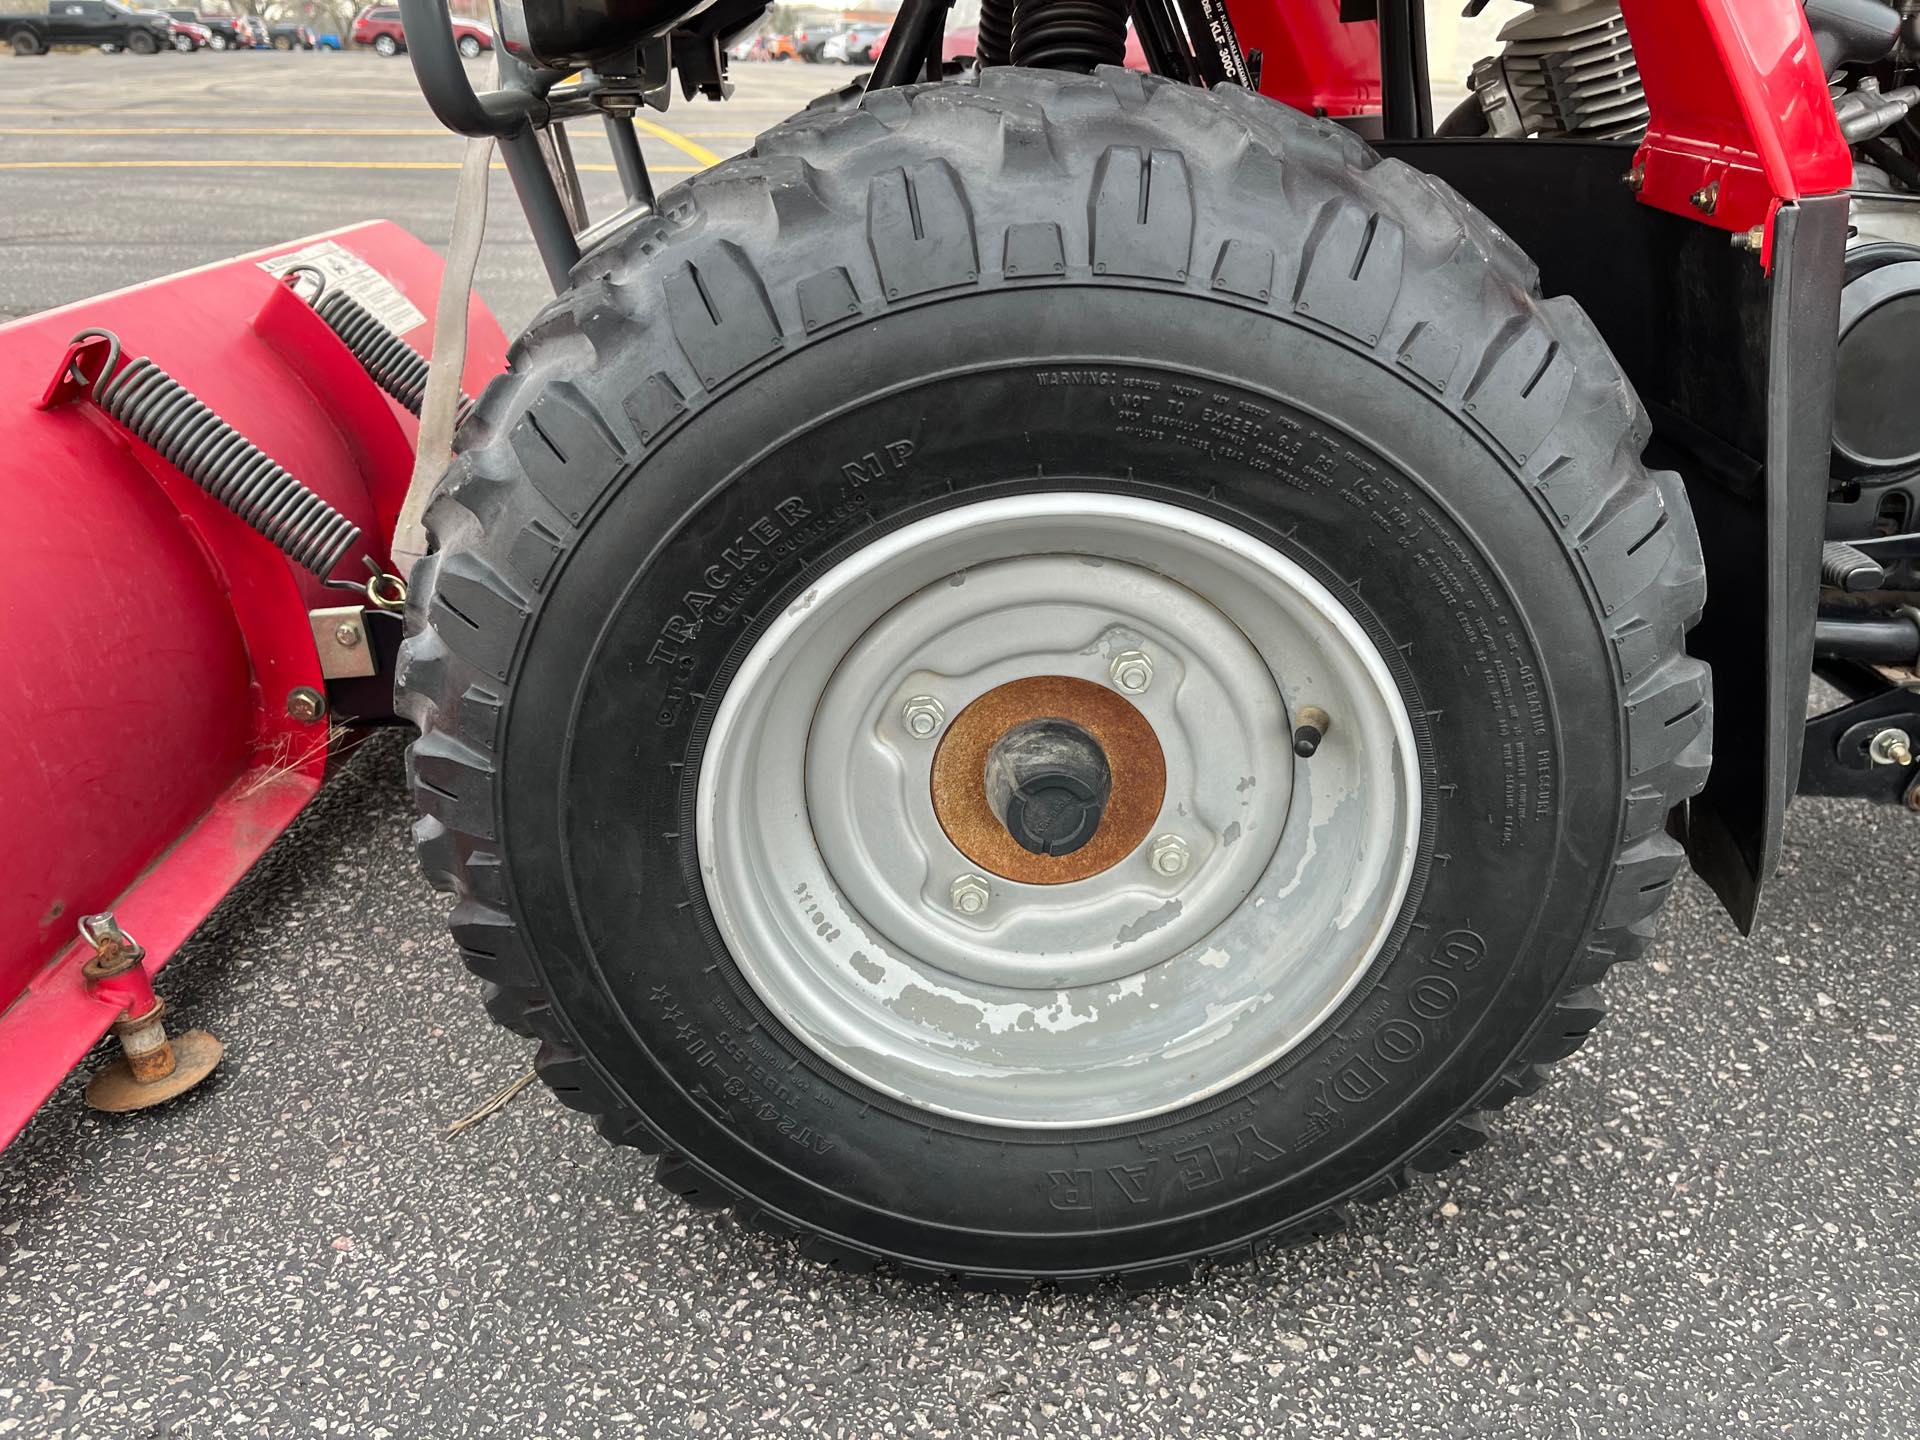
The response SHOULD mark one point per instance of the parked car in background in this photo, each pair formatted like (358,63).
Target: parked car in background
(814,40)
(188,33)
(88,22)
(855,45)
(328,41)
(224,30)
(291,37)
(379,27)
(196,28)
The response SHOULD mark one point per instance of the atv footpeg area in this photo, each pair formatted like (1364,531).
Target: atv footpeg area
(195,468)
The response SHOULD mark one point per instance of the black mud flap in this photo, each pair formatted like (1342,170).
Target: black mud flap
(1736,368)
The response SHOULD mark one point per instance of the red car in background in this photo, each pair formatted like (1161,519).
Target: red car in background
(380,27)
(187,35)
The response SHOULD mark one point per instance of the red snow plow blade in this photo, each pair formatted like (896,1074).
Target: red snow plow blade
(164,713)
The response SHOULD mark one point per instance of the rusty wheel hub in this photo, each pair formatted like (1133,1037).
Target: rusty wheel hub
(1003,817)
(979,828)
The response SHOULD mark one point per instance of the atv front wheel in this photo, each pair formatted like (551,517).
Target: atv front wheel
(1053,677)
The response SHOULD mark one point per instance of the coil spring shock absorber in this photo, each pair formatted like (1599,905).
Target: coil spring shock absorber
(395,366)
(1069,34)
(995,39)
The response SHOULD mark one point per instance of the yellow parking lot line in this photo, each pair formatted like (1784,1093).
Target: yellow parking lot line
(245,164)
(682,143)
(677,140)
(214,130)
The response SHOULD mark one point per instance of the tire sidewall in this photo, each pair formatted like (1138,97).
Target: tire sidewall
(596,765)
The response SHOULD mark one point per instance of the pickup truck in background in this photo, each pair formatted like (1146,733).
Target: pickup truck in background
(88,22)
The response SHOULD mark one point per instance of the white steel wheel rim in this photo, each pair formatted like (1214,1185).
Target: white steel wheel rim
(1109,999)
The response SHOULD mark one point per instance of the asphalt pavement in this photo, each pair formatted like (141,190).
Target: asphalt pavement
(1707,1225)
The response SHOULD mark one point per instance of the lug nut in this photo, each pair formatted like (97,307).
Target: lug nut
(1132,671)
(1891,747)
(970,895)
(922,716)
(1170,855)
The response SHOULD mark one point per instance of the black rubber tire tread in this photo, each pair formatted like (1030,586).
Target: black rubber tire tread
(1535,378)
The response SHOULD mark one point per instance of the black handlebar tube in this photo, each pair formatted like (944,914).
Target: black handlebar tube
(510,115)
(920,23)
(443,78)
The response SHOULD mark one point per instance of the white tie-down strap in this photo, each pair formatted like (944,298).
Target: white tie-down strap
(433,452)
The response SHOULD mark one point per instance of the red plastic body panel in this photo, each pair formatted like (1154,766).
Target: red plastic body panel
(1309,59)
(1740,112)
(146,754)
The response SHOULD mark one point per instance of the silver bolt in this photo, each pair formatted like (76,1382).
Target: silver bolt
(1891,747)
(347,634)
(922,716)
(306,704)
(970,895)
(1132,671)
(1170,855)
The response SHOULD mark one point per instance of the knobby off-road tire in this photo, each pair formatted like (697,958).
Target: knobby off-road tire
(1041,285)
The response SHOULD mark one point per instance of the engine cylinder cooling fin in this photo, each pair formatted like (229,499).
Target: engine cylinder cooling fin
(1564,71)
(1069,34)
(148,403)
(994,44)
(395,366)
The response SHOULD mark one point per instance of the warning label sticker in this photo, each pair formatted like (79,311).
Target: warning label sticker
(347,271)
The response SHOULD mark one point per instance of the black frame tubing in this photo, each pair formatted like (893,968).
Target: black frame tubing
(627,159)
(1406,105)
(1160,37)
(510,115)
(904,55)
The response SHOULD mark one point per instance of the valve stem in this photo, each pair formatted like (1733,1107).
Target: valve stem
(1310,731)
